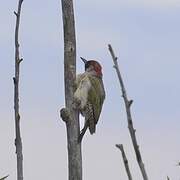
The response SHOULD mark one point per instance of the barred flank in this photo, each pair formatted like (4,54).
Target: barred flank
(89,118)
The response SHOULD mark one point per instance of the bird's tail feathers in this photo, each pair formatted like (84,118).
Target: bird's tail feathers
(90,118)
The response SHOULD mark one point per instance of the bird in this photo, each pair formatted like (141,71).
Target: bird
(89,95)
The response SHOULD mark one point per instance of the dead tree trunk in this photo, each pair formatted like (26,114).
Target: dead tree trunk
(128,104)
(18,142)
(120,147)
(69,115)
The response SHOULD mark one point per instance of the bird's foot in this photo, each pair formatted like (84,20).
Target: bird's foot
(76,103)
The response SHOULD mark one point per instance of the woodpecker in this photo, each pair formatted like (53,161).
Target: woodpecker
(89,95)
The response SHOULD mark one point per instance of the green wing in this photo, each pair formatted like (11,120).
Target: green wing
(96,96)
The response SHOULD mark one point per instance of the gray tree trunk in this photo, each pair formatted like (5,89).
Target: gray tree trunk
(69,114)
(18,142)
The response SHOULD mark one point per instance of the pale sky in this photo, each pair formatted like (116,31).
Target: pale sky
(145,36)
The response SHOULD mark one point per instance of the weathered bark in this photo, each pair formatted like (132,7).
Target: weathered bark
(128,104)
(18,142)
(168,178)
(69,115)
(120,147)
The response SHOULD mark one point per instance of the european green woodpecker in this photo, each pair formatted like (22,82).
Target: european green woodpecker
(90,95)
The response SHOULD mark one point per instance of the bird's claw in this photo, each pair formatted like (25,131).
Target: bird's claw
(76,103)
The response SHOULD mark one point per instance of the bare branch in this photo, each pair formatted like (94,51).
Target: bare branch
(15,13)
(4,177)
(20,60)
(70,115)
(18,142)
(129,118)
(120,147)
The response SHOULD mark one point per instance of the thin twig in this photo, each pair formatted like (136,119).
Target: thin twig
(120,147)
(128,104)
(18,141)
(4,177)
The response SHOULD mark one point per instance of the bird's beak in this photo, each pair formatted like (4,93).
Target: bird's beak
(84,60)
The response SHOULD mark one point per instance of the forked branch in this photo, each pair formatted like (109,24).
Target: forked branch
(128,104)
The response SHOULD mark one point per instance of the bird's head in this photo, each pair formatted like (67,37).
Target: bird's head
(92,66)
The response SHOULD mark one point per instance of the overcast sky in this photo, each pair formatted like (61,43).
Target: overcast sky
(145,35)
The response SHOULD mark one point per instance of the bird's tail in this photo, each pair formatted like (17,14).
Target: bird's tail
(90,118)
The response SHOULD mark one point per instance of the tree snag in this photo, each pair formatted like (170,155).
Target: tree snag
(18,142)
(69,114)
(128,104)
